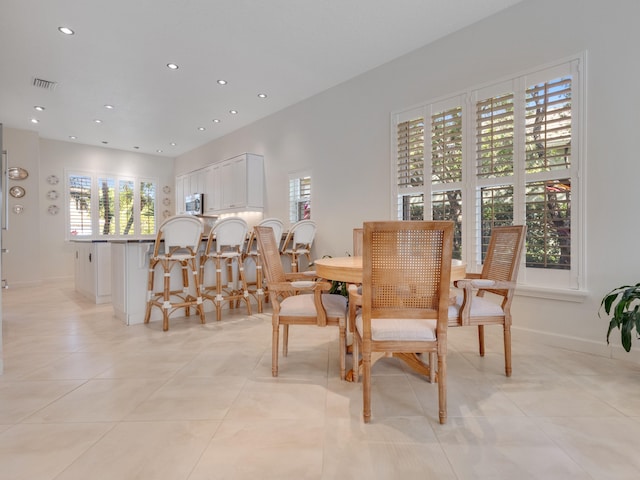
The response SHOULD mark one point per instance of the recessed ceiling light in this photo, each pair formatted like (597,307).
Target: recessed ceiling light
(173,144)
(202,129)
(262,95)
(136,147)
(172,66)
(105,142)
(34,120)
(216,120)
(66,30)
(39,108)
(233,112)
(108,107)
(159,151)
(222,82)
(72,137)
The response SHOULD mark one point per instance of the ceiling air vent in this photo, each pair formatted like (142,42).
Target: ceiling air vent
(46,84)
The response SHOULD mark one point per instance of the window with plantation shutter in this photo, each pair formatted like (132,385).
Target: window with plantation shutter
(80,205)
(147,208)
(410,151)
(107,206)
(123,207)
(299,197)
(503,154)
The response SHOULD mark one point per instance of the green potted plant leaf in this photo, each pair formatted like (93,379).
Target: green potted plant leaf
(622,304)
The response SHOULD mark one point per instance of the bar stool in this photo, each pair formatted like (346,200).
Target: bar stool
(228,235)
(176,243)
(298,242)
(260,292)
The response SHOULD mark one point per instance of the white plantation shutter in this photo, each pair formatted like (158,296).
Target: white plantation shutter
(125,207)
(79,205)
(548,126)
(107,205)
(299,197)
(147,208)
(446,146)
(494,136)
(410,153)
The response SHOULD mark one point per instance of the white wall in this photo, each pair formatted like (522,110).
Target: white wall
(343,137)
(36,240)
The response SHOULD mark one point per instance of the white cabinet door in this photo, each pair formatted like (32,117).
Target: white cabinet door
(180,194)
(212,190)
(234,187)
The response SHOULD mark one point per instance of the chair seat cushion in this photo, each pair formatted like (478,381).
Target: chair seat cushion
(303,305)
(480,307)
(401,329)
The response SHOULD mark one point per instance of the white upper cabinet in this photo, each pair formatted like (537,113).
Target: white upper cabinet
(232,185)
(242,183)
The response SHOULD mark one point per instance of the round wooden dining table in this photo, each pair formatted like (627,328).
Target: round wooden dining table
(349,269)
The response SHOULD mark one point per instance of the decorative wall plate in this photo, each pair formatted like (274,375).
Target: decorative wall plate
(52,195)
(53,209)
(17,192)
(166,201)
(18,209)
(166,214)
(166,189)
(52,180)
(18,173)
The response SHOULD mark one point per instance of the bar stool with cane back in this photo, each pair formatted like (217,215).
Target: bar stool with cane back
(298,242)
(228,235)
(258,288)
(176,243)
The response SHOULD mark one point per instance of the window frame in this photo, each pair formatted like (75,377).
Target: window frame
(95,208)
(541,281)
(295,199)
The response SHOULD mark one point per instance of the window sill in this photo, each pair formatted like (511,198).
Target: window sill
(563,294)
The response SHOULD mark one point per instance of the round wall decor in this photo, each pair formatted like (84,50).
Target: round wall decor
(17,192)
(52,180)
(18,209)
(52,195)
(17,173)
(53,209)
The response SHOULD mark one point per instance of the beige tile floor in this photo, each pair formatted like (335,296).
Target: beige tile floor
(85,397)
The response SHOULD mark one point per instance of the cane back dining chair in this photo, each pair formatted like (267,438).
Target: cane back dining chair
(297,300)
(298,242)
(224,249)
(257,287)
(405,298)
(498,277)
(176,245)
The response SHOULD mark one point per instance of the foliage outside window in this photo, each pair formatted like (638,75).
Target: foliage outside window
(500,155)
(299,197)
(123,206)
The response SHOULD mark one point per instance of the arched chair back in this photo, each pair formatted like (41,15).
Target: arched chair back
(299,241)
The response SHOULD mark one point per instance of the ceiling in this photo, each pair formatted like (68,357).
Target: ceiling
(287,49)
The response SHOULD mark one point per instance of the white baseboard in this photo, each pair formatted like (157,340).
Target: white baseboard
(579,344)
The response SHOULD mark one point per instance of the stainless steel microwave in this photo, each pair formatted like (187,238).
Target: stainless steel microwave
(194,204)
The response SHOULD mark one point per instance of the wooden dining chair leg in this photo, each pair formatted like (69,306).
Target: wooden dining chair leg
(481,339)
(507,350)
(275,335)
(285,340)
(442,388)
(356,360)
(343,352)
(366,385)
(432,367)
